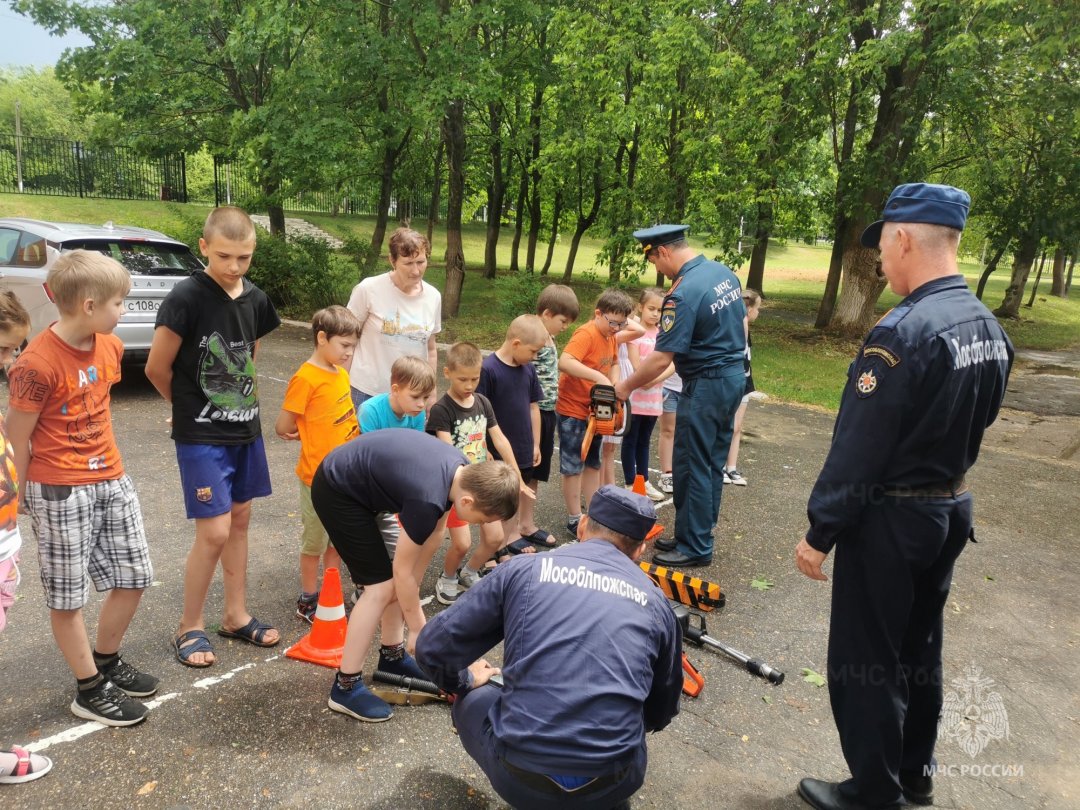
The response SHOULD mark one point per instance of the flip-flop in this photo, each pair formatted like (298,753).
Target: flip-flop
(540,538)
(28,767)
(200,644)
(521,546)
(253,633)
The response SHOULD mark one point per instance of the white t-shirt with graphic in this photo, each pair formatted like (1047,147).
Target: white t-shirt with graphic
(395,325)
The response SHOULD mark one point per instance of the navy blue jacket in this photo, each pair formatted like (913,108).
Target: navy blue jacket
(592,656)
(925,385)
(701,321)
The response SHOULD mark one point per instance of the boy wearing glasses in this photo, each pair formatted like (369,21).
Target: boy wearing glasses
(589,359)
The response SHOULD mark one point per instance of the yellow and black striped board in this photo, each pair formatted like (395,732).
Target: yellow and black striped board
(683,588)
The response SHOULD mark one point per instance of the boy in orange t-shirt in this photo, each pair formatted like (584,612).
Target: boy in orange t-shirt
(318,411)
(589,359)
(83,508)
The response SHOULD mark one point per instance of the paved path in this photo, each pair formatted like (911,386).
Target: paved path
(254,729)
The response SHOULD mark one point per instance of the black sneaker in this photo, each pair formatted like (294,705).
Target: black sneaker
(129,680)
(107,704)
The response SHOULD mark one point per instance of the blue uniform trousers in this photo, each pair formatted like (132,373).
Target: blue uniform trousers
(703,428)
(530,791)
(891,580)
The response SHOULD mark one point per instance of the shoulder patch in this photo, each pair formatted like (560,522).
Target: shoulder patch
(867,383)
(667,317)
(887,355)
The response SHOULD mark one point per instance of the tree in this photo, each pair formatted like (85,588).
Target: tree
(181,73)
(46,108)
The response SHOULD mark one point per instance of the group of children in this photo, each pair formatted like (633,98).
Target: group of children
(85,511)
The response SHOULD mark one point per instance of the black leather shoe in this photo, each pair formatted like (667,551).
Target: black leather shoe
(676,559)
(918,789)
(664,545)
(827,796)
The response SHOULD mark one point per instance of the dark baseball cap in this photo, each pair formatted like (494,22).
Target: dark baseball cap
(623,512)
(921,202)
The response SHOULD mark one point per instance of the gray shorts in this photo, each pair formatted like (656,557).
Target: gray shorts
(94,529)
(671,400)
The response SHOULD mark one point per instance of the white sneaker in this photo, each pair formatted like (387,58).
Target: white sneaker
(446,589)
(666,484)
(732,477)
(653,492)
(727,478)
(466,578)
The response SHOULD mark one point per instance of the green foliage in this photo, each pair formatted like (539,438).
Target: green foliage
(46,108)
(300,275)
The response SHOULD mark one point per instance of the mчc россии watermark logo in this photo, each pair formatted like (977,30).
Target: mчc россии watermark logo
(973,714)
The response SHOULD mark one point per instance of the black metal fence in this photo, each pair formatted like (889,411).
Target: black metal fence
(31,165)
(75,169)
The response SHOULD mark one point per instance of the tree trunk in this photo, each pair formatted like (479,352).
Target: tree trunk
(990,268)
(519,219)
(584,220)
(836,270)
(277,218)
(755,276)
(1068,277)
(454,134)
(1058,287)
(1014,293)
(436,189)
(556,216)
(862,287)
(1038,278)
(496,190)
(536,213)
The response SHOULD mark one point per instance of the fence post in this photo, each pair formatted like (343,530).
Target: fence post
(78,167)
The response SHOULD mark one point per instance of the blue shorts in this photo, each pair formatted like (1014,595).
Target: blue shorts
(671,400)
(571,434)
(215,476)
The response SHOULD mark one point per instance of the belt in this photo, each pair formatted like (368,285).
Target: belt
(545,784)
(940,489)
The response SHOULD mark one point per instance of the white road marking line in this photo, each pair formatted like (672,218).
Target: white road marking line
(206,683)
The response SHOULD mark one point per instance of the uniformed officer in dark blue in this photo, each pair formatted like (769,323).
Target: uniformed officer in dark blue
(892,499)
(703,329)
(592,661)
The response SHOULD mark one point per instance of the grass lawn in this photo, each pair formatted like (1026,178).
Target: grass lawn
(792,361)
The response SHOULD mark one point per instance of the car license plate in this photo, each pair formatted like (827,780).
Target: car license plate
(142,304)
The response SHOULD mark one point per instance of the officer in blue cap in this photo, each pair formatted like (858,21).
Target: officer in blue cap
(567,728)
(892,500)
(703,329)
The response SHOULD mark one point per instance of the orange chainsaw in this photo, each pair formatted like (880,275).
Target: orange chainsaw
(607,416)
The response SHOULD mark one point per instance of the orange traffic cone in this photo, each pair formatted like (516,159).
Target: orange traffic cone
(639,489)
(324,644)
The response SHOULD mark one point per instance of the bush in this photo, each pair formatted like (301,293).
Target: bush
(300,276)
(517,292)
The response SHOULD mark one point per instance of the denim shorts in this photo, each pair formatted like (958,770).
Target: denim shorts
(671,400)
(571,434)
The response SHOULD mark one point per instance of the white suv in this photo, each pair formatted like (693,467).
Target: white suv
(28,247)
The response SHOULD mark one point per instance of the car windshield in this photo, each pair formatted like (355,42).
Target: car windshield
(143,258)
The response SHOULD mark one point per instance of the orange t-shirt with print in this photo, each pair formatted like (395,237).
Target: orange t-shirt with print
(325,417)
(72,442)
(594,350)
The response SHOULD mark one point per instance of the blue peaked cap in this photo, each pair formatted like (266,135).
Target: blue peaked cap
(623,512)
(659,235)
(921,202)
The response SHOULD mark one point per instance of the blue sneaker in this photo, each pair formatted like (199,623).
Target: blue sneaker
(358,702)
(406,666)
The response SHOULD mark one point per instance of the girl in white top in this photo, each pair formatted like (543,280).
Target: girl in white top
(400,313)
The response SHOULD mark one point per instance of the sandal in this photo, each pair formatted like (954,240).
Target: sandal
(253,633)
(28,767)
(540,538)
(520,546)
(196,641)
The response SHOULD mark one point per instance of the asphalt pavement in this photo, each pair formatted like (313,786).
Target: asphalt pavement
(254,729)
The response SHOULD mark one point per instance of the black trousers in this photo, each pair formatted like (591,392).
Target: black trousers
(891,580)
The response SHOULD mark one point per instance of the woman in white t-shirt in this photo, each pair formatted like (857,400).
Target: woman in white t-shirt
(401,314)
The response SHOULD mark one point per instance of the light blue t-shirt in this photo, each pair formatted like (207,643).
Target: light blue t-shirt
(376,414)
